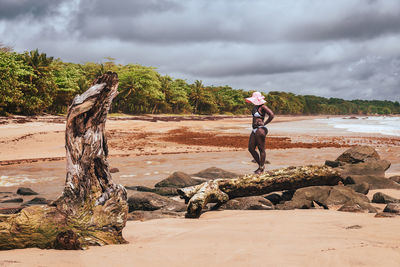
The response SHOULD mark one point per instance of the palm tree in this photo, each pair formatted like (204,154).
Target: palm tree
(196,94)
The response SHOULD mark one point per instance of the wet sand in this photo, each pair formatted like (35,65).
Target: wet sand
(146,151)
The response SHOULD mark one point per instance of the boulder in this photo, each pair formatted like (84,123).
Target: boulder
(215,173)
(150,201)
(25,191)
(275,198)
(375,182)
(332,163)
(248,203)
(11,210)
(380,197)
(395,179)
(13,200)
(178,180)
(329,197)
(369,167)
(163,191)
(362,188)
(392,208)
(358,154)
(351,206)
(36,201)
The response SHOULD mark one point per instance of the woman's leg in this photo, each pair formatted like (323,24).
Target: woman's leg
(252,147)
(260,142)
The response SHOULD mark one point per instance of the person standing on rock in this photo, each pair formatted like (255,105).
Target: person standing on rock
(260,131)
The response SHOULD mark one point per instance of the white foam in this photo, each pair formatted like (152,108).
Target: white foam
(381,125)
(22,179)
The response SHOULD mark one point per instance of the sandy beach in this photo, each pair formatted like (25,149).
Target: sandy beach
(148,149)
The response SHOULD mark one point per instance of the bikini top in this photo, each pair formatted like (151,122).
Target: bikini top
(257,114)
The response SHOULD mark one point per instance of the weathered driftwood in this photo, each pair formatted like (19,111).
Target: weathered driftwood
(92,209)
(221,190)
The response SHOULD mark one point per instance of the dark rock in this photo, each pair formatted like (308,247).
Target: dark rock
(166,191)
(274,198)
(358,154)
(384,215)
(114,170)
(329,197)
(13,200)
(392,208)
(351,206)
(140,188)
(141,215)
(395,179)
(362,188)
(356,226)
(215,173)
(248,203)
(37,201)
(375,182)
(380,197)
(332,163)
(369,167)
(25,191)
(11,210)
(150,201)
(178,180)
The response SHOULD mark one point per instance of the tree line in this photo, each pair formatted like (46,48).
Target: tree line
(33,83)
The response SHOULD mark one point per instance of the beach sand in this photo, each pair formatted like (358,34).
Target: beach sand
(145,152)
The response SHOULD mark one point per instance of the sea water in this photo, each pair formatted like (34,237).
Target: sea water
(380,124)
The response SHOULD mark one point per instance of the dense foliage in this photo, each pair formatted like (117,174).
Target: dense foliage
(33,83)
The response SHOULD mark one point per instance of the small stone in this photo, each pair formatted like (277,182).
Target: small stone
(392,208)
(26,191)
(13,200)
(384,215)
(356,226)
(114,170)
(380,197)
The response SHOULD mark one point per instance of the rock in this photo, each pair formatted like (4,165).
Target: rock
(166,191)
(351,206)
(362,188)
(140,188)
(114,170)
(384,215)
(141,215)
(358,154)
(248,203)
(150,201)
(332,163)
(329,197)
(380,197)
(274,198)
(11,210)
(25,191)
(369,167)
(215,173)
(37,201)
(392,208)
(375,182)
(395,179)
(178,180)
(13,200)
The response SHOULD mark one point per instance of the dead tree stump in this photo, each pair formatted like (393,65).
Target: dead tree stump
(221,190)
(92,210)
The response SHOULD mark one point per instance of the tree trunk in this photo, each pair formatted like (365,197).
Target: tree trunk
(92,210)
(221,190)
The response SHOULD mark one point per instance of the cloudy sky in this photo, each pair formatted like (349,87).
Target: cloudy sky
(342,48)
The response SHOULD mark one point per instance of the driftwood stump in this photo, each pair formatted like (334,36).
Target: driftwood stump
(92,209)
(221,190)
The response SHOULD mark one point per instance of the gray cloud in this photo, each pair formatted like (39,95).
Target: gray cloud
(341,48)
(10,9)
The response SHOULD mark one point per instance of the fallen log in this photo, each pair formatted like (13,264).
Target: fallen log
(92,210)
(220,191)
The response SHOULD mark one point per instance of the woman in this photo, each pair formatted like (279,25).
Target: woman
(259,132)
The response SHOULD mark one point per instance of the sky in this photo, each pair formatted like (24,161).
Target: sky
(342,48)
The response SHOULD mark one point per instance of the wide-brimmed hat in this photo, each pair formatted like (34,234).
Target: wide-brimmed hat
(257,99)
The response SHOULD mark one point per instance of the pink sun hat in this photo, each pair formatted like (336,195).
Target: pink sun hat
(257,99)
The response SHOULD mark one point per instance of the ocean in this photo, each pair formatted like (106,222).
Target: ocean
(383,125)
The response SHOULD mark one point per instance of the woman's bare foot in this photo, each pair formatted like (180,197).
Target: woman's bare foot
(259,170)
